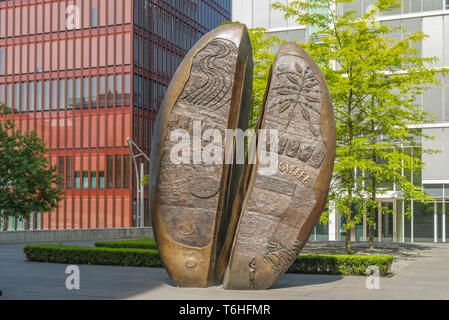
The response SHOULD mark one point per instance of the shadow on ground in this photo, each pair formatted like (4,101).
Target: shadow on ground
(403,253)
(398,250)
(290,280)
(29,280)
(301,280)
(20,279)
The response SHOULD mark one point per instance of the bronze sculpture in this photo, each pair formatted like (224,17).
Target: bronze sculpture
(279,212)
(190,203)
(213,221)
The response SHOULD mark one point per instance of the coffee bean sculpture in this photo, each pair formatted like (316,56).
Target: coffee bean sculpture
(227,221)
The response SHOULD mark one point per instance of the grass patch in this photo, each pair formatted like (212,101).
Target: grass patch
(143,253)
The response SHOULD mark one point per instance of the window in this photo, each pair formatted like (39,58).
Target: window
(94,18)
(2,93)
(127,88)
(141,52)
(39,96)
(86,92)
(111,91)
(47,95)
(118,171)
(423,221)
(102,91)
(9,95)
(11,224)
(62,94)
(446,4)
(145,92)
(61,171)
(38,220)
(2,61)
(68,173)
(24,97)
(118,88)
(135,50)
(16,96)
(77,93)
(140,91)
(69,94)
(154,96)
(136,89)
(110,169)
(93,94)
(93,180)
(77,180)
(30,222)
(54,95)
(429,5)
(126,171)
(101,180)
(31,96)
(85,179)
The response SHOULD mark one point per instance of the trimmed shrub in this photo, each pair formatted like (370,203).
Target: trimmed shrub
(341,264)
(89,255)
(314,264)
(147,243)
(138,257)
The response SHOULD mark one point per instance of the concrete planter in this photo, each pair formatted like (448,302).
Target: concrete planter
(73,235)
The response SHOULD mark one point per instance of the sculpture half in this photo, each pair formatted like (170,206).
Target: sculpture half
(279,212)
(191,203)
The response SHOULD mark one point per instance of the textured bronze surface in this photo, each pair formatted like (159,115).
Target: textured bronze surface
(279,212)
(191,204)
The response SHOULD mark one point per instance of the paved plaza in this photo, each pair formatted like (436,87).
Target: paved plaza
(424,277)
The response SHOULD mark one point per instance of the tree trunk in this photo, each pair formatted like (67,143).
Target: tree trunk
(373,196)
(372,216)
(372,219)
(348,222)
(371,236)
(348,240)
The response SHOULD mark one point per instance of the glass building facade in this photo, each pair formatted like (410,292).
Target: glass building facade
(430,222)
(86,75)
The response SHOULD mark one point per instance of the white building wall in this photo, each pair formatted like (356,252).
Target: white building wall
(429,16)
(258,14)
(433,45)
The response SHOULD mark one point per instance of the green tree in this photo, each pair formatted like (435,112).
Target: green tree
(263,58)
(373,80)
(27,182)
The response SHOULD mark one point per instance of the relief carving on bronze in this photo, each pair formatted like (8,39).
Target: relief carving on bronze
(227,222)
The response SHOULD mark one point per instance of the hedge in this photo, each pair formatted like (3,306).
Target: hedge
(148,243)
(136,257)
(90,255)
(314,264)
(341,264)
